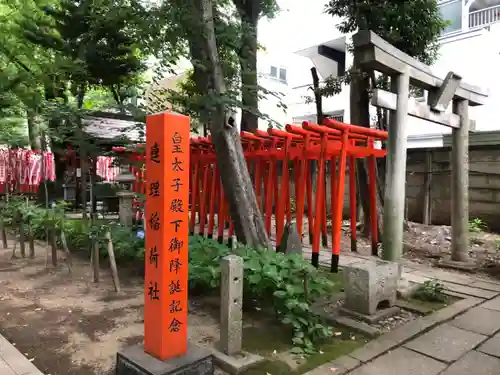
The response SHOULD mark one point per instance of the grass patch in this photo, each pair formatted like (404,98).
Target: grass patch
(430,305)
(336,278)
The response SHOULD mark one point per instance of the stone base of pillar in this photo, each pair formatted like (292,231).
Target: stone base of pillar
(461,266)
(238,363)
(134,361)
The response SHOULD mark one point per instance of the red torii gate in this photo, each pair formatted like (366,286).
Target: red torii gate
(338,143)
(269,156)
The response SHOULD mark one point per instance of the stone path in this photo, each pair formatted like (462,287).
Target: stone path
(463,338)
(13,362)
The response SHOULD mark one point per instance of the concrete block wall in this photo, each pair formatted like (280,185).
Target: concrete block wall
(484,185)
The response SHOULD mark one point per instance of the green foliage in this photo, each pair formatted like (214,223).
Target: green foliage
(411,26)
(476,225)
(274,280)
(287,284)
(432,291)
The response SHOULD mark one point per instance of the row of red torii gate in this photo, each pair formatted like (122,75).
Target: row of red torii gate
(281,163)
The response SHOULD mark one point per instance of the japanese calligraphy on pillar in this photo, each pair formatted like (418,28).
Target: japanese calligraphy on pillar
(166,221)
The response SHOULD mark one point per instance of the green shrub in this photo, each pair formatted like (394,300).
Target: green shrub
(286,283)
(273,279)
(477,226)
(432,291)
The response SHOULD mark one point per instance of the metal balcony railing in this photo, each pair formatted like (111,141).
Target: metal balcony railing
(484,17)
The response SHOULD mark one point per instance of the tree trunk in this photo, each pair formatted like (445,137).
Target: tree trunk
(249,14)
(360,115)
(318,100)
(33,130)
(238,188)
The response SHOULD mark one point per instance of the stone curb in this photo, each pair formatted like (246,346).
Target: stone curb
(19,364)
(396,338)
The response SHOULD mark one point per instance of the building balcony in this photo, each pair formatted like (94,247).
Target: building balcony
(484,17)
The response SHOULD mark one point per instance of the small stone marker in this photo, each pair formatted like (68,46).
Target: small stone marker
(290,241)
(230,357)
(231,311)
(369,282)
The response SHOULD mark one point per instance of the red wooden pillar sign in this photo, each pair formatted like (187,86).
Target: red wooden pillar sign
(166,221)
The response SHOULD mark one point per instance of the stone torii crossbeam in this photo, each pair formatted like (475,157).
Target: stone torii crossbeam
(375,54)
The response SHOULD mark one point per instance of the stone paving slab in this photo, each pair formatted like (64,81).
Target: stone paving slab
(14,361)
(421,277)
(474,363)
(442,275)
(446,343)
(491,347)
(401,362)
(373,349)
(479,320)
(494,304)
(341,365)
(486,285)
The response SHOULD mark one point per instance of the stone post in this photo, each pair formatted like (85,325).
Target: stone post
(125,207)
(395,180)
(231,311)
(460,184)
(126,197)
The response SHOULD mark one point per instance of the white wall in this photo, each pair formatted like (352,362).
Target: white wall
(474,55)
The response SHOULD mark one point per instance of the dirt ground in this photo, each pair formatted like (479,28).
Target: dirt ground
(71,326)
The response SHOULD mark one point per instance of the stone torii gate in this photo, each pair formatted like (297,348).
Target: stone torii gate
(375,54)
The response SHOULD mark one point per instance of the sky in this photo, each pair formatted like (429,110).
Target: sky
(300,24)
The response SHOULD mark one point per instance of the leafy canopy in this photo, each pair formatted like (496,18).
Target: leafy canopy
(411,26)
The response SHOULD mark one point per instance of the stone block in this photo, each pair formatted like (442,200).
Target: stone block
(236,364)
(374,318)
(479,320)
(290,240)
(134,361)
(368,283)
(231,305)
(474,363)
(445,343)
(357,326)
(401,361)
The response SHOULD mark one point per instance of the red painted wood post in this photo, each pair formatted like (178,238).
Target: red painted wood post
(195,191)
(352,203)
(221,217)
(258,181)
(204,199)
(166,257)
(269,196)
(339,204)
(309,188)
(320,202)
(283,196)
(296,181)
(324,223)
(333,200)
(372,178)
(214,193)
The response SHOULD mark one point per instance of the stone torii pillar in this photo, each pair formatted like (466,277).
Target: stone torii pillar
(374,53)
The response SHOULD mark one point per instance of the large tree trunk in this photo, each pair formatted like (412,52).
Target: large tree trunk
(249,14)
(360,115)
(33,129)
(238,189)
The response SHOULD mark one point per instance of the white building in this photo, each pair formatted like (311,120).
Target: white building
(469,47)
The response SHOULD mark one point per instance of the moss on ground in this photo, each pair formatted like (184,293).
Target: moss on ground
(270,341)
